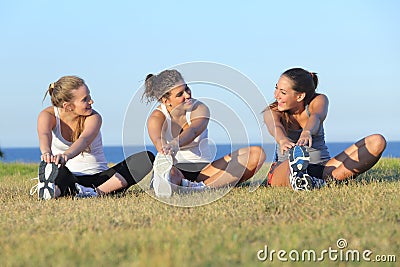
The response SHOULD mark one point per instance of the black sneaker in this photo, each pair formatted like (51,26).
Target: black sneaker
(299,159)
(317,183)
(47,177)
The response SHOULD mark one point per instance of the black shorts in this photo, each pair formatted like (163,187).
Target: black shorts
(191,170)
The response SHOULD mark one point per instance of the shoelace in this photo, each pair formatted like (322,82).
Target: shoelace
(35,187)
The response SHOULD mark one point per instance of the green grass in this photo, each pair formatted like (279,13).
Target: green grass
(137,230)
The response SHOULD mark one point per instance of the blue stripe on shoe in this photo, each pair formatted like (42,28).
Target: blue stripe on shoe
(299,158)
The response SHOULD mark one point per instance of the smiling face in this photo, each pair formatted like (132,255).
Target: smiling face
(287,98)
(81,103)
(179,97)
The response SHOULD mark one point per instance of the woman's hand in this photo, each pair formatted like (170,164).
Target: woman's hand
(47,157)
(57,159)
(61,159)
(285,145)
(171,148)
(305,139)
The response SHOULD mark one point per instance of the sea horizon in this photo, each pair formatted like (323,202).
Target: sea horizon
(115,153)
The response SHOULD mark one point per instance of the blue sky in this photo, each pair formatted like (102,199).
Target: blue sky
(113,45)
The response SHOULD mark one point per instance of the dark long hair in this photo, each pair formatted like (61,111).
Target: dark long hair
(303,82)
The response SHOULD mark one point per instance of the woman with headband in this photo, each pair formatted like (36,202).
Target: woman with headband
(178,130)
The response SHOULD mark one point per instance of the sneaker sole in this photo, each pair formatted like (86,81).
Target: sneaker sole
(307,184)
(47,176)
(162,166)
(299,158)
(303,183)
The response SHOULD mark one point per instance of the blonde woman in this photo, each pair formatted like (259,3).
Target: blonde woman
(72,156)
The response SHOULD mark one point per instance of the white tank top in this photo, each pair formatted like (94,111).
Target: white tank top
(85,163)
(198,151)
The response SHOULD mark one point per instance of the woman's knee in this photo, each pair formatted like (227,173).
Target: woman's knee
(137,166)
(144,159)
(257,155)
(376,144)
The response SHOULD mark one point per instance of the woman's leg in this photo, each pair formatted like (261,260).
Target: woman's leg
(65,183)
(126,173)
(114,183)
(356,159)
(233,168)
(280,174)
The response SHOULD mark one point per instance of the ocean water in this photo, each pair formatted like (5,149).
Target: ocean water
(115,154)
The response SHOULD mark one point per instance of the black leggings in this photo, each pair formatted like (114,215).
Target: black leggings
(191,170)
(133,169)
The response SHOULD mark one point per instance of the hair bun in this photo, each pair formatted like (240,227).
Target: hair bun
(51,88)
(149,76)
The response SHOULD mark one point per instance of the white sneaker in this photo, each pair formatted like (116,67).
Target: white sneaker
(187,183)
(161,175)
(45,187)
(84,192)
(189,186)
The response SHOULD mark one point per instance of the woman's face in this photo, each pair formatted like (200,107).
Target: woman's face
(286,97)
(82,102)
(180,97)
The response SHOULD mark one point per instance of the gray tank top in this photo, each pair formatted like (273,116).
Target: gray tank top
(318,152)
